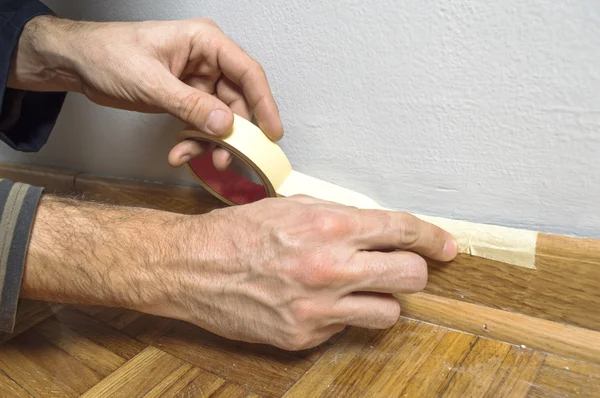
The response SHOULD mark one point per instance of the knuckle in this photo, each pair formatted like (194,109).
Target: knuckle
(196,23)
(256,67)
(439,235)
(329,223)
(302,196)
(386,315)
(252,73)
(415,273)
(319,270)
(392,314)
(407,228)
(209,21)
(192,107)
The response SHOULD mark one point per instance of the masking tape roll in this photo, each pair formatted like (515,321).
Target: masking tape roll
(249,144)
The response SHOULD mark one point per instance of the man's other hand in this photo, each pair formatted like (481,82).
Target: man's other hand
(190,69)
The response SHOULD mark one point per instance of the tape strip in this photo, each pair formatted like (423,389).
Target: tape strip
(251,145)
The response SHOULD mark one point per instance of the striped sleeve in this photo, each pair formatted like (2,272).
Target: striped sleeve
(18,204)
(27,117)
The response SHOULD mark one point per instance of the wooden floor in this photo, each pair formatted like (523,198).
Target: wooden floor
(99,352)
(66,351)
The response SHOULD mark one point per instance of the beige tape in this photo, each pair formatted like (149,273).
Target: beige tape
(247,141)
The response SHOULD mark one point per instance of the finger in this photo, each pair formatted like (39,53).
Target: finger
(366,310)
(248,74)
(394,272)
(186,150)
(197,108)
(233,96)
(221,158)
(205,82)
(379,229)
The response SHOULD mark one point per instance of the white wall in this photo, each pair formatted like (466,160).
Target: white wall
(479,110)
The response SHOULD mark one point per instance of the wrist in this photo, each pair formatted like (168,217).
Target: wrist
(45,56)
(176,269)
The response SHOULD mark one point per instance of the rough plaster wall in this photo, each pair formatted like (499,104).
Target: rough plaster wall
(479,110)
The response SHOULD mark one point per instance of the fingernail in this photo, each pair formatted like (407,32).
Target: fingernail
(216,121)
(451,248)
(185,159)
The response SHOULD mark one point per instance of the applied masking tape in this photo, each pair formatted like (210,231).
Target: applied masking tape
(249,144)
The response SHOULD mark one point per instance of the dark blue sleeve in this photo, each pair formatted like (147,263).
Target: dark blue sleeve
(27,117)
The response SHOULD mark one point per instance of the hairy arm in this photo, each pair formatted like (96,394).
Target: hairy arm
(290,272)
(91,253)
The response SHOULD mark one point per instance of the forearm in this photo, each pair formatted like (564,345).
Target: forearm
(89,253)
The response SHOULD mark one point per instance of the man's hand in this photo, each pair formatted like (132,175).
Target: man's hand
(290,272)
(189,69)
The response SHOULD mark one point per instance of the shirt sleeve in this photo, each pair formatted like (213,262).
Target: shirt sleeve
(26,121)
(27,117)
(18,205)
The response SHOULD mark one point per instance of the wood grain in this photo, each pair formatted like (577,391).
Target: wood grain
(478,370)
(261,369)
(370,361)
(131,379)
(100,333)
(562,288)
(516,374)
(411,359)
(93,355)
(30,313)
(561,377)
(229,390)
(28,374)
(505,326)
(440,367)
(9,388)
(187,381)
(51,359)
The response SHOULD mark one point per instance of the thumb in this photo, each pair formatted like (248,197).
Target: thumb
(200,110)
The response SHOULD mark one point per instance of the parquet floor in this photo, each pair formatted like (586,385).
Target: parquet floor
(105,352)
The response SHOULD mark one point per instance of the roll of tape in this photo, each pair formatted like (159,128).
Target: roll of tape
(275,177)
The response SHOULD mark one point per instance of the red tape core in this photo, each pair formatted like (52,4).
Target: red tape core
(227,183)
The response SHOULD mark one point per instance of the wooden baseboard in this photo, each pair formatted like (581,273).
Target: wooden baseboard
(522,330)
(52,179)
(174,198)
(563,289)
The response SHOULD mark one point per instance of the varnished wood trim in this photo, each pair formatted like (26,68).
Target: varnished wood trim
(52,179)
(563,287)
(518,329)
(175,198)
